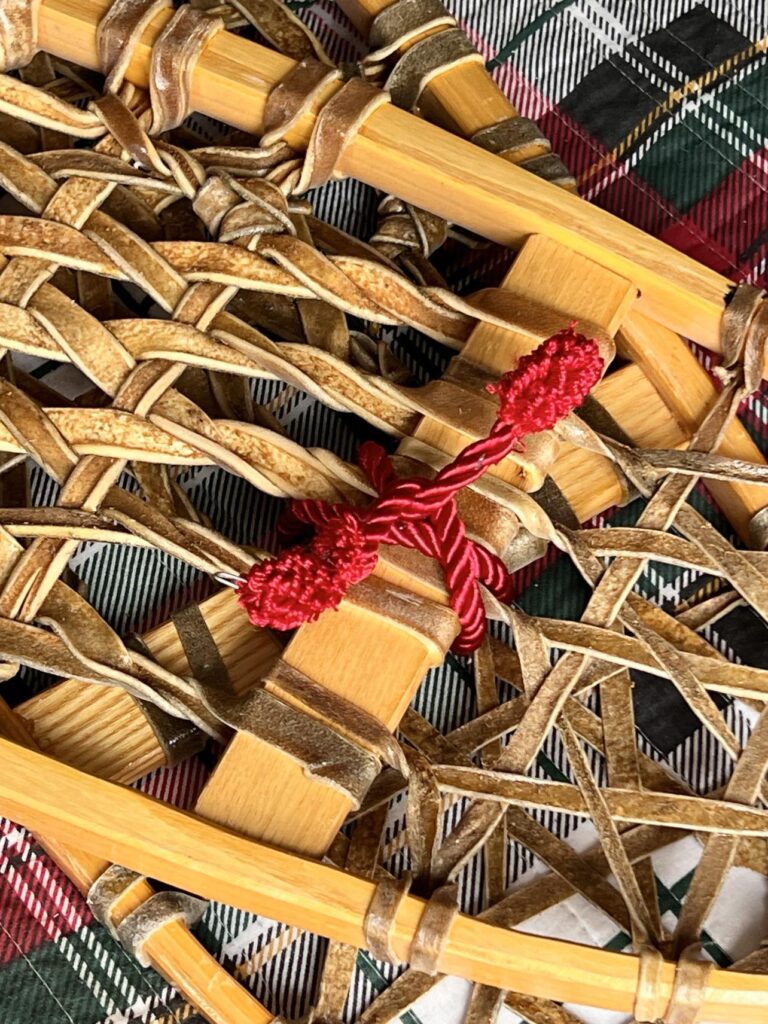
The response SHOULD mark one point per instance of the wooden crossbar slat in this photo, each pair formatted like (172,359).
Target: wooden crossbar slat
(399,153)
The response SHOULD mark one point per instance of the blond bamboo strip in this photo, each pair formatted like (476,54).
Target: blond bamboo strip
(128,749)
(202,980)
(689,392)
(297,811)
(102,730)
(113,823)
(438,101)
(399,153)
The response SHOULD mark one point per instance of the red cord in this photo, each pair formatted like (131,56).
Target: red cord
(417,513)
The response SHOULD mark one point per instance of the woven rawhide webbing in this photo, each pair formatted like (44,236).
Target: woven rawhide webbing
(239,282)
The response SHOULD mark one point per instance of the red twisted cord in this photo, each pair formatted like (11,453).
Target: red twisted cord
(421,514)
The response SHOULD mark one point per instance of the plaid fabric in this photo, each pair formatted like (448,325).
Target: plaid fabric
(661,110)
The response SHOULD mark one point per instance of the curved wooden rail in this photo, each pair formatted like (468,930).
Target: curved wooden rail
(149,836)
(399,153)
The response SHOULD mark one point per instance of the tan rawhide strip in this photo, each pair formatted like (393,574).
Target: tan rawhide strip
(747,782)
(531,688)
(92,266)
(357,286)
(570,872)
(18,33)
(318,372)
(604,606)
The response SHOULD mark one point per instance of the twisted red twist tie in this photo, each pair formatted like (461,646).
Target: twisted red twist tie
(418,513)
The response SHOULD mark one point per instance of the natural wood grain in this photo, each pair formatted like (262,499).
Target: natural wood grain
(113,823)
(554,276)
(458,95)
(456,99)
(124,746)
(261,791)
(399,153)
(366,658)
(172,950)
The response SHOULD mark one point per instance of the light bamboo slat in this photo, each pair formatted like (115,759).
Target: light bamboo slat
(100,729)
(689,392)
(269,811)
(399,153)
(363,657)
(475,108)
(462,97)
(113,823)
(173,951)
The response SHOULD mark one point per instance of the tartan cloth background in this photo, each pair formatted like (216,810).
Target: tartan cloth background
(661,109)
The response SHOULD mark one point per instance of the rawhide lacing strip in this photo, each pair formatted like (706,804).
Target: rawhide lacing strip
(687,1002)
(341,715)
(636,850)
(156,912)
(340,111)
(428,43)
(436,919)
(382,911)
(135,928)
(513,137)
(174,56)
(319,746)
(422,514)
(604,605)
(178,738)
(280,26)
(425,60)
(118,32)
(403,22)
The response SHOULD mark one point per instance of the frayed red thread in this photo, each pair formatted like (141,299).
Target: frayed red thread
(418,513)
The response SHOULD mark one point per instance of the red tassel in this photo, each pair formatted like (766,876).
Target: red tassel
(301,583)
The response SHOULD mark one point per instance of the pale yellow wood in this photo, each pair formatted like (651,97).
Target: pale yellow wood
(173,950)
(365,658)
(553,275)
(667,361)
(588,481)
(124,747)
(459,104)
(397,152)
(689,393)
(115,823)
(456,99)
(556,277)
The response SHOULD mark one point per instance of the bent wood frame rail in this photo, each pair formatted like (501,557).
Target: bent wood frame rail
(465,99)
(399,153)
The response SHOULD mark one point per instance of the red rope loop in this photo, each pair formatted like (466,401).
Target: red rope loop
(417,513)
